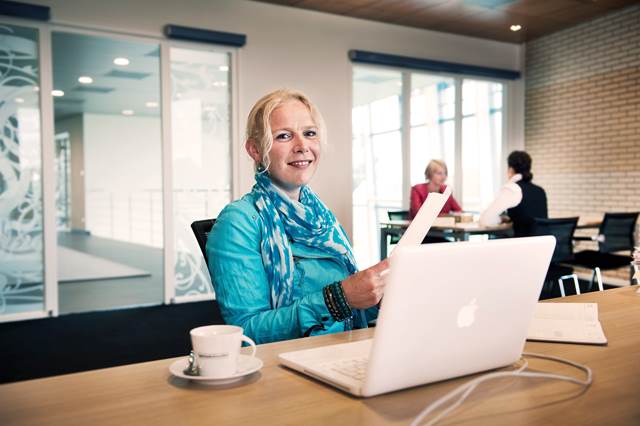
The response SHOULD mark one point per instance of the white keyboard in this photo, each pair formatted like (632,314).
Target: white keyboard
(355,368)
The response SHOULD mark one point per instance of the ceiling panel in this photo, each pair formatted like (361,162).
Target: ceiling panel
(489,19)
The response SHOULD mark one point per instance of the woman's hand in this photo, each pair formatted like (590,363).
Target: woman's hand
(364,289)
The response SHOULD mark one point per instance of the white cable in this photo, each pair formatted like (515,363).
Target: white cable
(466,388)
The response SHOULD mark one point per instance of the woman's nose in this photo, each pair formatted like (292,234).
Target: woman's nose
(300,144)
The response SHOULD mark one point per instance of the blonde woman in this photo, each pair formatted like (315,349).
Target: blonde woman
(280,263)
(436,175)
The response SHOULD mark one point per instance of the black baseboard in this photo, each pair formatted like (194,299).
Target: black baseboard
(79,342)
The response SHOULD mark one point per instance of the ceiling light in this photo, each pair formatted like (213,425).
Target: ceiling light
(219,83)
(36,89)
(19,100)
(57,93)
(223,68)
(123,62)
(152,104)
(85,79)
(515,27)
(127,112)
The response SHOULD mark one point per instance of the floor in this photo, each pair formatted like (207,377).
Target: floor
(95,295)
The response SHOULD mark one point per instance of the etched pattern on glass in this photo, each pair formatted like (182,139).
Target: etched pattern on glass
(201,156)
(21,257)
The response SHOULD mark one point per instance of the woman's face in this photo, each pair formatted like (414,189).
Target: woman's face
(296,147)
(438,176)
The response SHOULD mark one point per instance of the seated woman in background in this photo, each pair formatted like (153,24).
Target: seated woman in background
(280,263)
(436,174)
(521,198)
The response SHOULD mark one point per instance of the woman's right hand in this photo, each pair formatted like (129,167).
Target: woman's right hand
(364,289)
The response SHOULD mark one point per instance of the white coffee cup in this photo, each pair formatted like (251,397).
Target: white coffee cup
(217,348)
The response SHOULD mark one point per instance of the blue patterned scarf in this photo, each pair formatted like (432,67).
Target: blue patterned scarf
(308,222)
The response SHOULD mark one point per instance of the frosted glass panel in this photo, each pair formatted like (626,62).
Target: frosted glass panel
(21,242)
(200,106)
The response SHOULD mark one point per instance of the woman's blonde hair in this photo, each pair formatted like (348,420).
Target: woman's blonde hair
(259,126)
(428,172)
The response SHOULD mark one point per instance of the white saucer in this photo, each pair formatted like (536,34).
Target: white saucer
(246,365)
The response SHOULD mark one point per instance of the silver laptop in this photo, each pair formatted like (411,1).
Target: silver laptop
(448,310)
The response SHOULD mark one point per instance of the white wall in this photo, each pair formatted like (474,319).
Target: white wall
(292,48)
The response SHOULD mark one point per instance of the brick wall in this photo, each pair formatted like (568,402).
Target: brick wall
(582,116)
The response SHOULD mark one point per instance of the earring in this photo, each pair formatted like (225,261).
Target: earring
(260,168)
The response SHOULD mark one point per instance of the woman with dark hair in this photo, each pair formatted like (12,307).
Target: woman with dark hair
(521,198)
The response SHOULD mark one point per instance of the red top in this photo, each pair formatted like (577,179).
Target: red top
(420,192)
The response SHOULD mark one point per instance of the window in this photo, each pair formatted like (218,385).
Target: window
(432,124)
(437,105)
(377,155)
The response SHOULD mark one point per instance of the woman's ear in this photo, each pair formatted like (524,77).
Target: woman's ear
(252,150)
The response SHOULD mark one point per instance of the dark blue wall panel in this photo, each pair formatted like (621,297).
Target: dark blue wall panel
(373,58)
(205,36)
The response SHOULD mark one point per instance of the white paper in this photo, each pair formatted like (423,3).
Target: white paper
(421,224)
(566,322)
(567,311)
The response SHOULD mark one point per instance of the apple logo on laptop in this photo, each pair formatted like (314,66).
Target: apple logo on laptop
(467,314)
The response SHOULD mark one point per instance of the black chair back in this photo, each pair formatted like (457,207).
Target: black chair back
(563,229)
(201,229)
(617,230)
(398,215)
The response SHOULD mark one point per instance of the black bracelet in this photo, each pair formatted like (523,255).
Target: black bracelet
(328,300)
(336,301)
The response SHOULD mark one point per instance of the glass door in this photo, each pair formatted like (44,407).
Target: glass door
(108,152)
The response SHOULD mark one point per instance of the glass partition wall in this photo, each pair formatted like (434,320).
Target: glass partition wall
(403,119)
(107,168)
(201,156)
(21,220)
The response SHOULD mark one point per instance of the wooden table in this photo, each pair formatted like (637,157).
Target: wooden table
(146,394)
(462,231)
(459,231)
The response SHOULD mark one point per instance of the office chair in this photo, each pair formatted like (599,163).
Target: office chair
(615,234)
(562,229)
(397,215)
(201,229)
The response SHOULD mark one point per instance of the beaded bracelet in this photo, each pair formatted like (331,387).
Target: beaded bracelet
(336,301)
(328,300)
(331,303)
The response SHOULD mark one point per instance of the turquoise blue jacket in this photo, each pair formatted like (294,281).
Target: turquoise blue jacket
(242,288)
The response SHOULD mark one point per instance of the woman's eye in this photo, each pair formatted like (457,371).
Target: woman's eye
(310,133)
(283,136)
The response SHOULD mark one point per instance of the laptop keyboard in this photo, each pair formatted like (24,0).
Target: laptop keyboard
(355,368)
